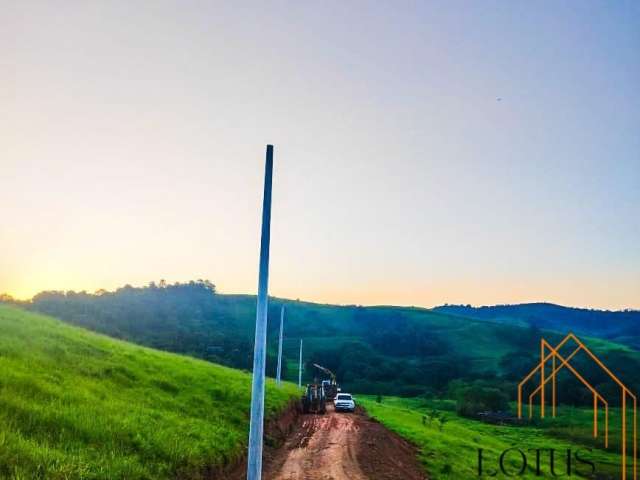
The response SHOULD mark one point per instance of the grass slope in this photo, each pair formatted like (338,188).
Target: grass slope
(451,453)
(78,405)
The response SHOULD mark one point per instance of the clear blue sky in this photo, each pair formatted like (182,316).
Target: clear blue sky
(133,138)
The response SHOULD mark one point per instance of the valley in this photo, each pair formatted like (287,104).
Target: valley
(76,404)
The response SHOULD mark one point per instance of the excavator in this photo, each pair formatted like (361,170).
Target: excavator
(315,397)
(330,386)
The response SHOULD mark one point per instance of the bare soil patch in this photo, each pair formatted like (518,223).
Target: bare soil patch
(342,446)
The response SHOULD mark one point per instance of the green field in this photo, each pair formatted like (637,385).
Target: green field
(78,405)
(450,451)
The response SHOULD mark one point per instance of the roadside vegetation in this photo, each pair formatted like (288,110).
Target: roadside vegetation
(449,443)
(78,405)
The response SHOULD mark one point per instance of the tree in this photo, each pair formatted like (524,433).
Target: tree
(477,397)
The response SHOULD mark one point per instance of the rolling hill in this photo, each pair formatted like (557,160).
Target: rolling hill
(390,350)
(618,326)
(78,405)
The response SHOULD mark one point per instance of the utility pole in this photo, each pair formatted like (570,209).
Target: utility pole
(254,461)
(279,371)
(300,367)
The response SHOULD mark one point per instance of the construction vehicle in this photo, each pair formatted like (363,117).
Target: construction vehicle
(314,399)
(331,388)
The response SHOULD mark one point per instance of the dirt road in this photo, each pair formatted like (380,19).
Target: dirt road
(343,446)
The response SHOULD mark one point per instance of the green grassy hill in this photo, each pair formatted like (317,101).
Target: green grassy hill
(78,405)
(389,350)
(619,326)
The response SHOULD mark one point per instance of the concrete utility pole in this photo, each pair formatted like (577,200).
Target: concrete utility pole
(300,367)
(279,371)
(254,461)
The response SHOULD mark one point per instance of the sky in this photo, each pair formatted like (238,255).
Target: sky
(425,152)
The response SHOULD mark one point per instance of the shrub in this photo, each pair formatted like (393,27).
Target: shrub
(472,399)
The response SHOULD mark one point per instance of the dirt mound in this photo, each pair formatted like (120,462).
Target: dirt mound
(383,455)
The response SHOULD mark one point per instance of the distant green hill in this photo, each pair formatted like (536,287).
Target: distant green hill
(619,326)
(78,405)
(389,350)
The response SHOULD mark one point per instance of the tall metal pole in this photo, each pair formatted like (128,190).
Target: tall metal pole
(279,371)
(254,461)
(300,367)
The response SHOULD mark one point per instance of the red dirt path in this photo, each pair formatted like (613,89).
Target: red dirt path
(342,446)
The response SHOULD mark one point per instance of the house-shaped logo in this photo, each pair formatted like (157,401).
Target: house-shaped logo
(548,374)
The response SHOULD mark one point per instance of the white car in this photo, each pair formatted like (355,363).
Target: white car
(344,402)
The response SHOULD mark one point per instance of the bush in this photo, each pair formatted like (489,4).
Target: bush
(472,399)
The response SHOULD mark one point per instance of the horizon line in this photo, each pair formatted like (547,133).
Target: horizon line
(320,302)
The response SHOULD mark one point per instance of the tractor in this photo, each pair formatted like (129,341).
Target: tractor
(314,399)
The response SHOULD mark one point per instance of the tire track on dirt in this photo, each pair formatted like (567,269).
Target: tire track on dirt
(339,446)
